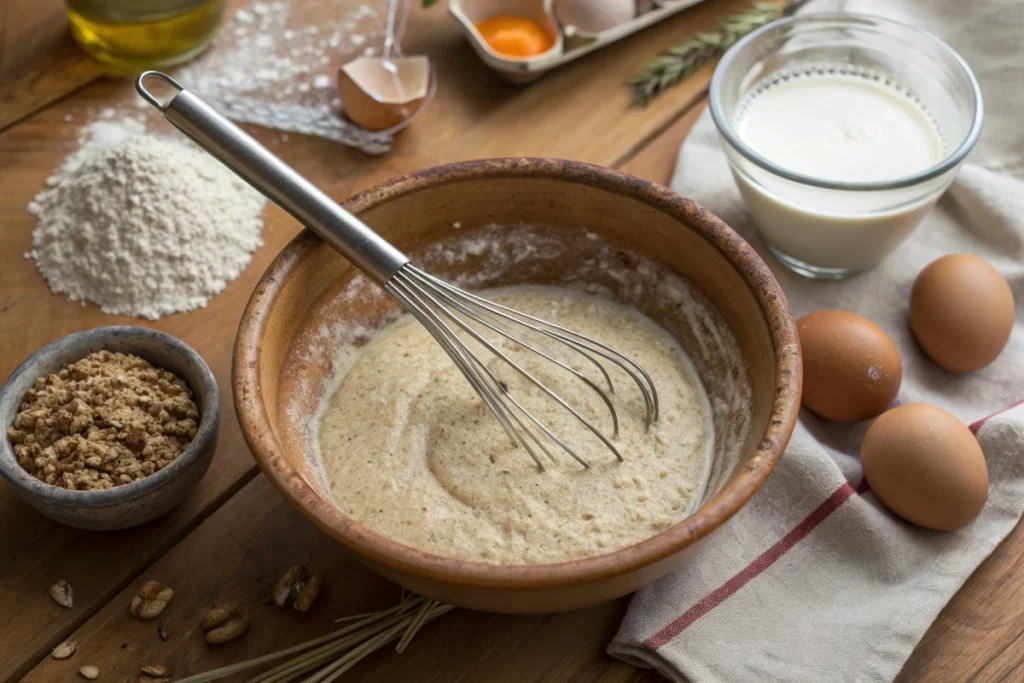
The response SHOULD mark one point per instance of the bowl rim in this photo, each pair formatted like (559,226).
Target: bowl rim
(829,19)
(209,420)
(259,434)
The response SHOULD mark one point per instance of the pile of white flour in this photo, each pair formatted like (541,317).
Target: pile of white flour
(143,225)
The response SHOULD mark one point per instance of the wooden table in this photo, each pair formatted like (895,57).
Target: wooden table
(234,536)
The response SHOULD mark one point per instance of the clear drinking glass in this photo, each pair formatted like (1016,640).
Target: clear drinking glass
(135,35)
(830,229)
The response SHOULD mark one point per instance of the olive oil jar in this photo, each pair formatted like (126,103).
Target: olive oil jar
(133,35)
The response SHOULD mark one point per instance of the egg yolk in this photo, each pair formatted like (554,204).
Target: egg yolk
(515,36)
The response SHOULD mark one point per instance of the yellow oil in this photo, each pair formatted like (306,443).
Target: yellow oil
(134,35)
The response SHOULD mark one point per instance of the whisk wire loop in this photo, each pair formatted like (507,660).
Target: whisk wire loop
(567,336)
(420,289)
(451,344)
(467,311)
(435,304)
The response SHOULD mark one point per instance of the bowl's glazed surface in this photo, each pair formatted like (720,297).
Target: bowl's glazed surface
(298,300)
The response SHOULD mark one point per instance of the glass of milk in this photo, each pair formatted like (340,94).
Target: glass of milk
(842,130)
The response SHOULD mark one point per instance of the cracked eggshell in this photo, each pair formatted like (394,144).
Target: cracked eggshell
(378,98)
(852,369)
(587,18)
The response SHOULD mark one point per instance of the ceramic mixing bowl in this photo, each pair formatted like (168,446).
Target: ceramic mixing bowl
(279,359)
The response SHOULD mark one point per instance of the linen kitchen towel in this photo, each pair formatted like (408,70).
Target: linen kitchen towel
(814,580)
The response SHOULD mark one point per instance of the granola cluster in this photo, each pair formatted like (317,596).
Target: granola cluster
(106,420)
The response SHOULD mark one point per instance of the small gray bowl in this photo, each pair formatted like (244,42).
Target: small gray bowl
(131,504)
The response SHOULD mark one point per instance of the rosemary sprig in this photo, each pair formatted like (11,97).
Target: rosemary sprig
(678,62)
(326,658)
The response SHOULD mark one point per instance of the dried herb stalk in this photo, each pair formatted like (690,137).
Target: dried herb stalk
(678,62)
(324,659)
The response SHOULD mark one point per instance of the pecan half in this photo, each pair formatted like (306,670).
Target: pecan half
(151,600)
(225,621)
(302,583)
(154,673)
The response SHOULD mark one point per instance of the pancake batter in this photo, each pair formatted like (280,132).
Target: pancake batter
(411,451)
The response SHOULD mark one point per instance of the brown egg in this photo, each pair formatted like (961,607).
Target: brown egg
(852,370)
(926,466)
(961,312)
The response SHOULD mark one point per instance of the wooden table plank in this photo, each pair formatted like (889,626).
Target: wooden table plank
(977,637)
(657,160)
(38,552)
(475,115)
(239,554)
(39,61)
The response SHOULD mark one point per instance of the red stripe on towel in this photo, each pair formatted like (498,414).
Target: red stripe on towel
(767,559)
(975,426)
(770,556)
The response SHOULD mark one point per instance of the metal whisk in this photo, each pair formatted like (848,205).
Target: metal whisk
(440,307)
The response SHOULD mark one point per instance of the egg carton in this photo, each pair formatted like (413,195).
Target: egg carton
(571,41)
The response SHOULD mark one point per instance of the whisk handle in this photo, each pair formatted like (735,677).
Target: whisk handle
(278,181)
